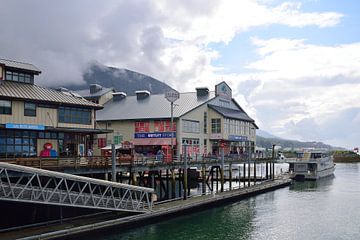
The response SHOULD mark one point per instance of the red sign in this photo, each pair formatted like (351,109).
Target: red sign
(142,127)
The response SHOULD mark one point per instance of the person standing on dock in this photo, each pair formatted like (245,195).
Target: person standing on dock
(160,155)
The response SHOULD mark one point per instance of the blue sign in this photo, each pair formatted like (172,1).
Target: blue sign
(24,126)
(155,135)
(237,138)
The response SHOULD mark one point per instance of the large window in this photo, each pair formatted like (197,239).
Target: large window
(164,126)
(216,125)
(191,126)
(74,115)
(17,143)
(29,109)
(19,77)
(205,122)
(5,107)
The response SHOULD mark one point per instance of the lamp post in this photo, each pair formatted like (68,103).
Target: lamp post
(172,95)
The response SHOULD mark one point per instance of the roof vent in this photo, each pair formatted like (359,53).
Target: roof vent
(202,91)
(142,94)
(94,88)
(117,96)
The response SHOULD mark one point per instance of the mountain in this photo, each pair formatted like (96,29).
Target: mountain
(285,143)
(265,134)
(123,80)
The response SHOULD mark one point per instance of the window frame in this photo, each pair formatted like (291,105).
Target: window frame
(3,108)
(30,112)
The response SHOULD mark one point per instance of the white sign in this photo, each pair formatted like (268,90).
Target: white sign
(172,95)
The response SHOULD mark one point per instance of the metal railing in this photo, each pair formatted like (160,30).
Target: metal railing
(33,185)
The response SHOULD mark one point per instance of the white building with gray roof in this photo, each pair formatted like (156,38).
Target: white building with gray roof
(204,121)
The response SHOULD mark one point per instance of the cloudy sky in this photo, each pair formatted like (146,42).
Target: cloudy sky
(293,65)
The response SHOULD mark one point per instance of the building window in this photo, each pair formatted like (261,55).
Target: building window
(191,126)
(17,143)
(164,126)
(74,115)
(29,109)
(205,122)
(142,126)
(5,107)
(216,125)
(19,77)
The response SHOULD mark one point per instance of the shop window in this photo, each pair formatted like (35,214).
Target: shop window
(5,107)
(29,109)
(216,125)
(17,144)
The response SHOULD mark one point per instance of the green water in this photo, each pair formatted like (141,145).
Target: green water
(326,209)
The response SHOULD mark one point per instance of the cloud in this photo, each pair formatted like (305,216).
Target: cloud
(165,39)
(304,86)
(291,80)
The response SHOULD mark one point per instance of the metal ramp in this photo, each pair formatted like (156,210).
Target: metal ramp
(33,185)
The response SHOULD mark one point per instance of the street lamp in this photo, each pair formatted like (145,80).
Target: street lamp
(172,95)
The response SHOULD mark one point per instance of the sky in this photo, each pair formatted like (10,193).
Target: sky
(294,66)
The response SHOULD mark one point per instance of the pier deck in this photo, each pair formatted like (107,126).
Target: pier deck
(160,211)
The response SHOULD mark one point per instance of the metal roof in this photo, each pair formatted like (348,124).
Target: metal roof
(86,92)
(231,113)
(16,90)
(19,65)
(152,107)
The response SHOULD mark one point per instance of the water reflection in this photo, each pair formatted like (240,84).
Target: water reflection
(304,186)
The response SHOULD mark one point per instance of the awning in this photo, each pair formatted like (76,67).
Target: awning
(153,141)
(78,130)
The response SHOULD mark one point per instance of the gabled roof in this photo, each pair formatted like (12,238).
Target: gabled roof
(152,107)
(86,92)
(232,113)
(19,65)
(23,91)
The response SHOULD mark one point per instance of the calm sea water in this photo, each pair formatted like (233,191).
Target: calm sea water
(326,209)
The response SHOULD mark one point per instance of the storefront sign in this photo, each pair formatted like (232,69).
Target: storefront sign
(155,135)
(24,126)
(237,138)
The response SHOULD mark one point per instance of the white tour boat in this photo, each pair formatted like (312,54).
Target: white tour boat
(311,166)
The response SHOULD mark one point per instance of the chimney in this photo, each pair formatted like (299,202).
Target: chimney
(118,96)
(142,94)
(94,88)
(202,91)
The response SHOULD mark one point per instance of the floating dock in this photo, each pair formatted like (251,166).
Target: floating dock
(160,212)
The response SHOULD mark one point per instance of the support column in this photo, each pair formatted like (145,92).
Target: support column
(230,176)
(113,163)
(185,174)
(173,183)
(222,180)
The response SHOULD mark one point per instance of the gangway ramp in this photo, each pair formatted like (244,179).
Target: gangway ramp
(33,185)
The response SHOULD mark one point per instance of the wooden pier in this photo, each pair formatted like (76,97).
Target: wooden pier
(160,212)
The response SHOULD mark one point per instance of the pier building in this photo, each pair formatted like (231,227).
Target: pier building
(204,121)
(37,121)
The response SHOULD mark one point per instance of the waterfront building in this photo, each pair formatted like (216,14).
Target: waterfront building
(38,121)
(204,121)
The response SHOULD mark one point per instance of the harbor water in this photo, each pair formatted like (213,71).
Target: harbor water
(325,209)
